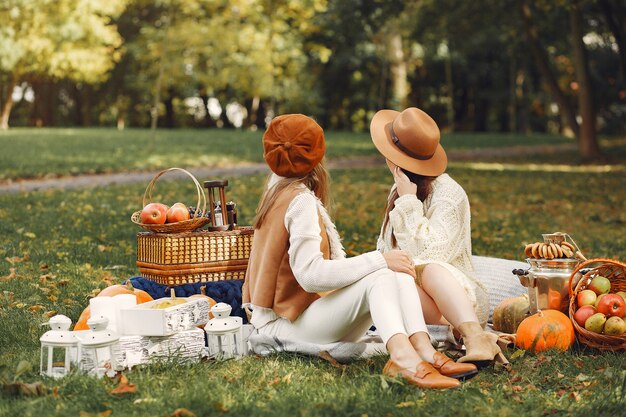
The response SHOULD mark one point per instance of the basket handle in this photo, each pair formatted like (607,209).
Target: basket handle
(147,195)
(585,264)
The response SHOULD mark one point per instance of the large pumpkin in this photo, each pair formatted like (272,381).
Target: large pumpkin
(113,290)
(547,329)
(510,312)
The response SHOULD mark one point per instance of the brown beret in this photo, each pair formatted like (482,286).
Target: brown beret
(293,145)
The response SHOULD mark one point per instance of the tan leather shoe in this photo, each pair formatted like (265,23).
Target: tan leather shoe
(424,376)
(448,367)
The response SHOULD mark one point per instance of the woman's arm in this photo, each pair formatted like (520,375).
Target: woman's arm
(311,270)
(435,235)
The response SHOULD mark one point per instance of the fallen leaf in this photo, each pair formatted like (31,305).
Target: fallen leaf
(35,389)
(104,413)
(517,388)
(327,357)
(124,387)
(519,353)
(183,412)
(406,404)
(575,396)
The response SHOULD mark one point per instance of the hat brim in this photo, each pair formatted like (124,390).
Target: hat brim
(380,130)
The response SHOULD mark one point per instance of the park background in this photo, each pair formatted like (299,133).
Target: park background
(98,96)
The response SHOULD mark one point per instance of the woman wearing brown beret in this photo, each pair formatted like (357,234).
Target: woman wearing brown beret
(297,254)
(428,216)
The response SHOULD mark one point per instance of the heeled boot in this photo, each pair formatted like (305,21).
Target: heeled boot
(481,347)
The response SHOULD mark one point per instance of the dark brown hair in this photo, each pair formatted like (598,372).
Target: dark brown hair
(424,188)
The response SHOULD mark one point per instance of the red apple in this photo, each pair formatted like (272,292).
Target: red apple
(583,313)
(177,213)
(595,323)
(614,326)
(612,305)
(586,297)
(600,285)
(154,213)
(600,297)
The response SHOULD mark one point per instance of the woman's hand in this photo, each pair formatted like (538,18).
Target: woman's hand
(400,261)
(404,186)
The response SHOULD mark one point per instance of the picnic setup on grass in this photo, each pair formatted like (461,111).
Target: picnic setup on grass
(185,305)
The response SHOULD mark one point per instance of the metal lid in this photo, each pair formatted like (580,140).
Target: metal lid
(222,323)
(99,335)
(60,335)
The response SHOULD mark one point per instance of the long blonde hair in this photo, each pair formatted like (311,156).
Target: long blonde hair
(317,181)
(424,188)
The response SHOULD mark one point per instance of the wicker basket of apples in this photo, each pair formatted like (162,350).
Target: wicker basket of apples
(597,304)
(159,218)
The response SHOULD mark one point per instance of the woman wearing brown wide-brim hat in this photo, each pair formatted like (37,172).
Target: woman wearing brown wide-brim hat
(297,254)
(428,215)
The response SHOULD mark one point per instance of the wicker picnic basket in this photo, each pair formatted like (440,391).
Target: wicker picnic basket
(615,271)
(197,221)
(201,256)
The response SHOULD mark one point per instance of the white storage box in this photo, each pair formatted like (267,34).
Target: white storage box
(144,320)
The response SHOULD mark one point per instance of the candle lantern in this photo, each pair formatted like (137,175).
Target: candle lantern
(224,333)
(59,348)
(219,216)
(98,348)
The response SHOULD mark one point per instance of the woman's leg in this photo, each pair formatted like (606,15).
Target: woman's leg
(450,298)
(346,314)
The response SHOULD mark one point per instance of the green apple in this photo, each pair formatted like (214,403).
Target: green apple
(622,294)
(614,326)
(595,323)
(600,285)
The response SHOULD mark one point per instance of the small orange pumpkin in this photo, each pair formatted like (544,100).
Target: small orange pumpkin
(547,329)
(142,297)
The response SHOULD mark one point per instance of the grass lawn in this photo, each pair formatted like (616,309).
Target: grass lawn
(58,247)
(37,153)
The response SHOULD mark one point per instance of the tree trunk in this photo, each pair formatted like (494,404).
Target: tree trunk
(5,109)
(400,90)
(587,139)
(615,16)
(450,88)
(87,94)
(154,111)
(169,109)
(543,64)
(208,120)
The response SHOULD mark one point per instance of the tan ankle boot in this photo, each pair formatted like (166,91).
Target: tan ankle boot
(481,347)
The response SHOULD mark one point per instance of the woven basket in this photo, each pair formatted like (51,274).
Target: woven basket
(196,222)
(615,271)
(202,256)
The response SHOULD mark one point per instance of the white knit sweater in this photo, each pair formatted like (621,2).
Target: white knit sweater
(311,270)
(438,231)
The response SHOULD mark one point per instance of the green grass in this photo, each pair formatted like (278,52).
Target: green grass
(38,153)
(58,246)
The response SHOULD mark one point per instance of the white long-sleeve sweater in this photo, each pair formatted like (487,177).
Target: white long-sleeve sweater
(311,270)
(438,231)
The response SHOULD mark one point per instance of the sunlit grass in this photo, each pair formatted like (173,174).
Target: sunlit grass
(38,153)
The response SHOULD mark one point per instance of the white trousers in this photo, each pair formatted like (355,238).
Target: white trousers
(387,299)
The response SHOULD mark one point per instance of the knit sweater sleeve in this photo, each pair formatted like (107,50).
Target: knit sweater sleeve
(431,235)
(311,270)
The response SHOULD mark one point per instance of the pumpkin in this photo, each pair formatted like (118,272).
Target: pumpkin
(510,312)
(142,297)
(547,329)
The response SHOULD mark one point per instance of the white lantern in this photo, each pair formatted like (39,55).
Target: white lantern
(98,348)
(224,333)
(59,348)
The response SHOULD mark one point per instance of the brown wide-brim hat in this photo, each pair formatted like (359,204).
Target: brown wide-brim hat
(409,139)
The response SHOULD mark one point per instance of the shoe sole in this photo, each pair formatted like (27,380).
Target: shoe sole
(464,376)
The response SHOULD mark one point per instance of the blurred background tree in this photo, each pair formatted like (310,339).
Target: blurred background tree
(486,65)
